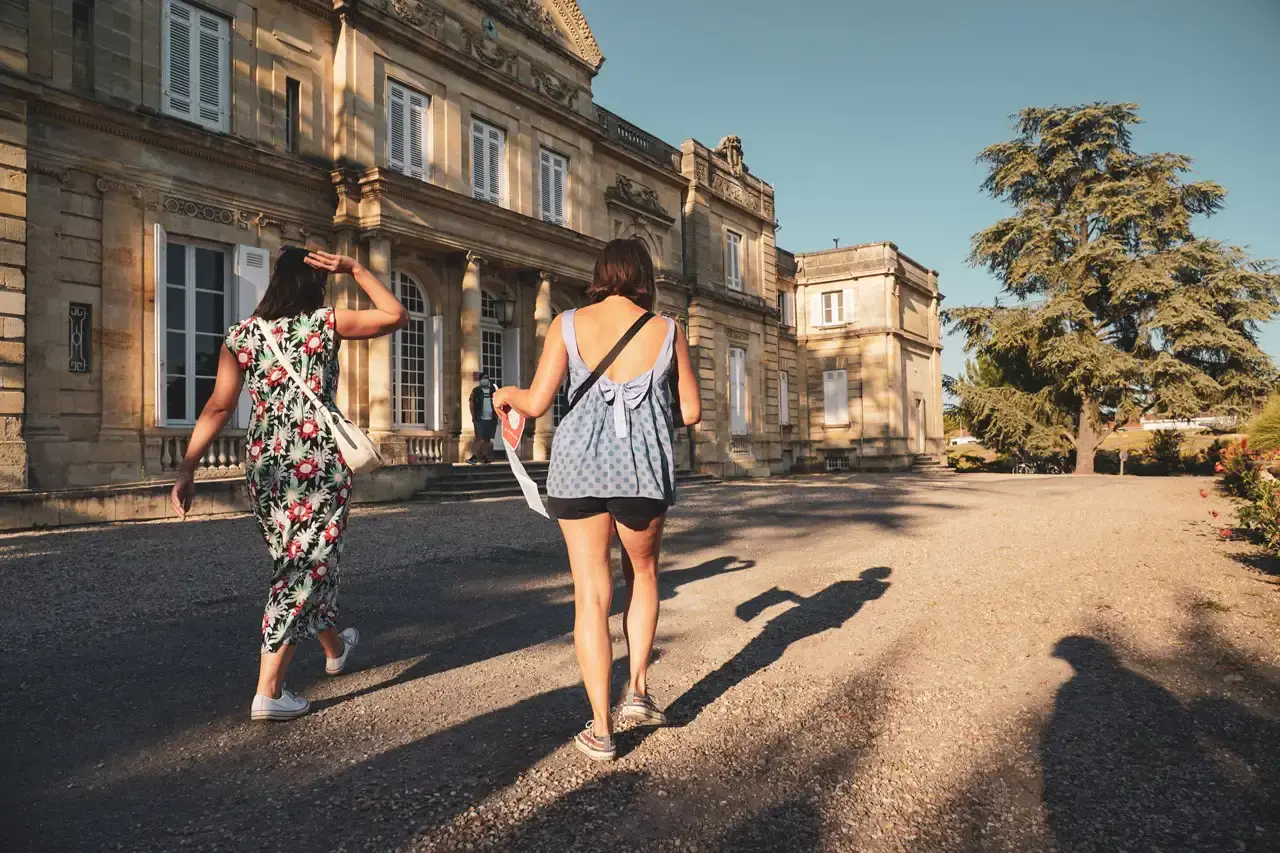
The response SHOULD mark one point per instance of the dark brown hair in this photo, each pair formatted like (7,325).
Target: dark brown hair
(295,288)
(624,268)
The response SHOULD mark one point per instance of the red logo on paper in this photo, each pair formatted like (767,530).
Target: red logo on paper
(512,428)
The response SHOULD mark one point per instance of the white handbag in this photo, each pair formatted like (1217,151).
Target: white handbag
(356,447)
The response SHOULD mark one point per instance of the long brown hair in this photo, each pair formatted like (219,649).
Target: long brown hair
(296,287)
(624,268)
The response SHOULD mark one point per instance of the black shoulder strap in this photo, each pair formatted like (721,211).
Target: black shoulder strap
(608,360)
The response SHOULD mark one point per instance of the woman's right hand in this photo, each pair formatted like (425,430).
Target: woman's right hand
(331,263)
(183,492)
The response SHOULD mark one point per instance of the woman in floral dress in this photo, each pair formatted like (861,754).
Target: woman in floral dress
(299,486)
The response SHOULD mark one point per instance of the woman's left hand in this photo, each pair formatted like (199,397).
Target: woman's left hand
(184,491)
(502,398)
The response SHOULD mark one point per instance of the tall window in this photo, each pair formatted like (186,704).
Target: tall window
(733,260)
(491,354)
(553,176)
(835,397)
(196,65)
(784,398)
(488,156)
(787,308)
(833,308)
(737,391)
(197,309)
(560,405)
(415,355)
(292,114)
(407,131)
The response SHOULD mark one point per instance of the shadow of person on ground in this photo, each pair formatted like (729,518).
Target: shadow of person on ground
(526,629)
(791,827)
(1127,766)
(824,610)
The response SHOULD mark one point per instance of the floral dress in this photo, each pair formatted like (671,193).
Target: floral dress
(298,484)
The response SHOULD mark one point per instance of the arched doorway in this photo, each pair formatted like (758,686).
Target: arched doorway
(499,347)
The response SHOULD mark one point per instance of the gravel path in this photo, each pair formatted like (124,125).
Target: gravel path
(861,663)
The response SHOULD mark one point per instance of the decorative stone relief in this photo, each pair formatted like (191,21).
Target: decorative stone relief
(579,31)
(201,210)
(732,190)
(489,52)
(737,334)
(415,13)
(700,171)
(552,87)
(531,14)
(637,195)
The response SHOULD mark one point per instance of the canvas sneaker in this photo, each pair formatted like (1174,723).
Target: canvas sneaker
(288,707)
(642,709)
(593,746)
(335,666)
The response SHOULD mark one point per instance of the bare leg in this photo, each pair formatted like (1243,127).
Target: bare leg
(271,669)
(332,644)
(588,543)
(640,568)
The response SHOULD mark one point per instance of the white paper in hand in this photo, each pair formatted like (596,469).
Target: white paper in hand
(512,427)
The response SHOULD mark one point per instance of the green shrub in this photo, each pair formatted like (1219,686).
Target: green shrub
(1164,448)
(967,462)
(1264,430)
(1261,514)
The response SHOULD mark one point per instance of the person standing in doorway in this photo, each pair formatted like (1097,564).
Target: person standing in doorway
(299,485)
(613,466)
(485,417)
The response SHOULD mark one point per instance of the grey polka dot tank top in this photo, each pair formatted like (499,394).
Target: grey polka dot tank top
(617,442)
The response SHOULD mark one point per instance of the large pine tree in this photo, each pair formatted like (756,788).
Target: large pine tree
(1114,307)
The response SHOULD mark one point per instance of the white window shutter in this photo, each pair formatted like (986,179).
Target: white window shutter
(847,310)
(511,357)
(560,176)
(835,397)
(416,141)
(784,398)
(176,65)
(161,265)
(479,149)
(815,309)
(828,397)
(213,46)
(397,123)
(253,274)
(842,380)
(435,375)
(495,159)
(546,179)
(737,391)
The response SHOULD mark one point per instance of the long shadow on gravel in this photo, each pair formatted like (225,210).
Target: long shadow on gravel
(825,610)
(1129,767)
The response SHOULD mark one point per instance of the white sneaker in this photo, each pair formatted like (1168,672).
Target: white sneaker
(288,707)
(350,638)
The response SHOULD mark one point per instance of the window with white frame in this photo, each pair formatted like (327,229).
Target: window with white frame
(553,176)
(835,397)
(833,308)
(784,398)
(195,65)
(407,112)
(737,391)
(415,353)
(491,354)
(197,307)
(560,405)
(733,260)
(488,158)
(787,308)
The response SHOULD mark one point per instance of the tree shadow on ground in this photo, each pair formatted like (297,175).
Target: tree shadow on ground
(826,609)
(1128,766)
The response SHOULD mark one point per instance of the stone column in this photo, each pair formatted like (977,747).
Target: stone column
(470,372)
(122,230)
(542,427)
(344,293)
(380,378)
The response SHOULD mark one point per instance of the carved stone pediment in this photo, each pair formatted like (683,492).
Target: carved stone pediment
(488,51)
(424,16)
(560,21)
(637,196)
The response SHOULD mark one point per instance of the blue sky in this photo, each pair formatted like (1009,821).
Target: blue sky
(866,117)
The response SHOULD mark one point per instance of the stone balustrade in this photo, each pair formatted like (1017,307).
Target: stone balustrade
(425,449)
(226,455)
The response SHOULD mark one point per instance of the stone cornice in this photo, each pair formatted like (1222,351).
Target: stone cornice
(745,304)
(845,332)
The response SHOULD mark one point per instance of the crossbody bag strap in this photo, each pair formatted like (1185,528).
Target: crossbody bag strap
(288,368)
(608,359)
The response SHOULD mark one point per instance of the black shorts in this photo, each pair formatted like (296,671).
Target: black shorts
(631,513)
(486,430)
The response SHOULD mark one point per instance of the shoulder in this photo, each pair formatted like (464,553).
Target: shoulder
(239,334)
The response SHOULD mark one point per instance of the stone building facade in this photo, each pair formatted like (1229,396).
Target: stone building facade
(154,154)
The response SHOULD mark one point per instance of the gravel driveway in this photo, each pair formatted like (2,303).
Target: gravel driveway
(861,663)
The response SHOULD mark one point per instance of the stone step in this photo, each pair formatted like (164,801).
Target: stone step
(452,487)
